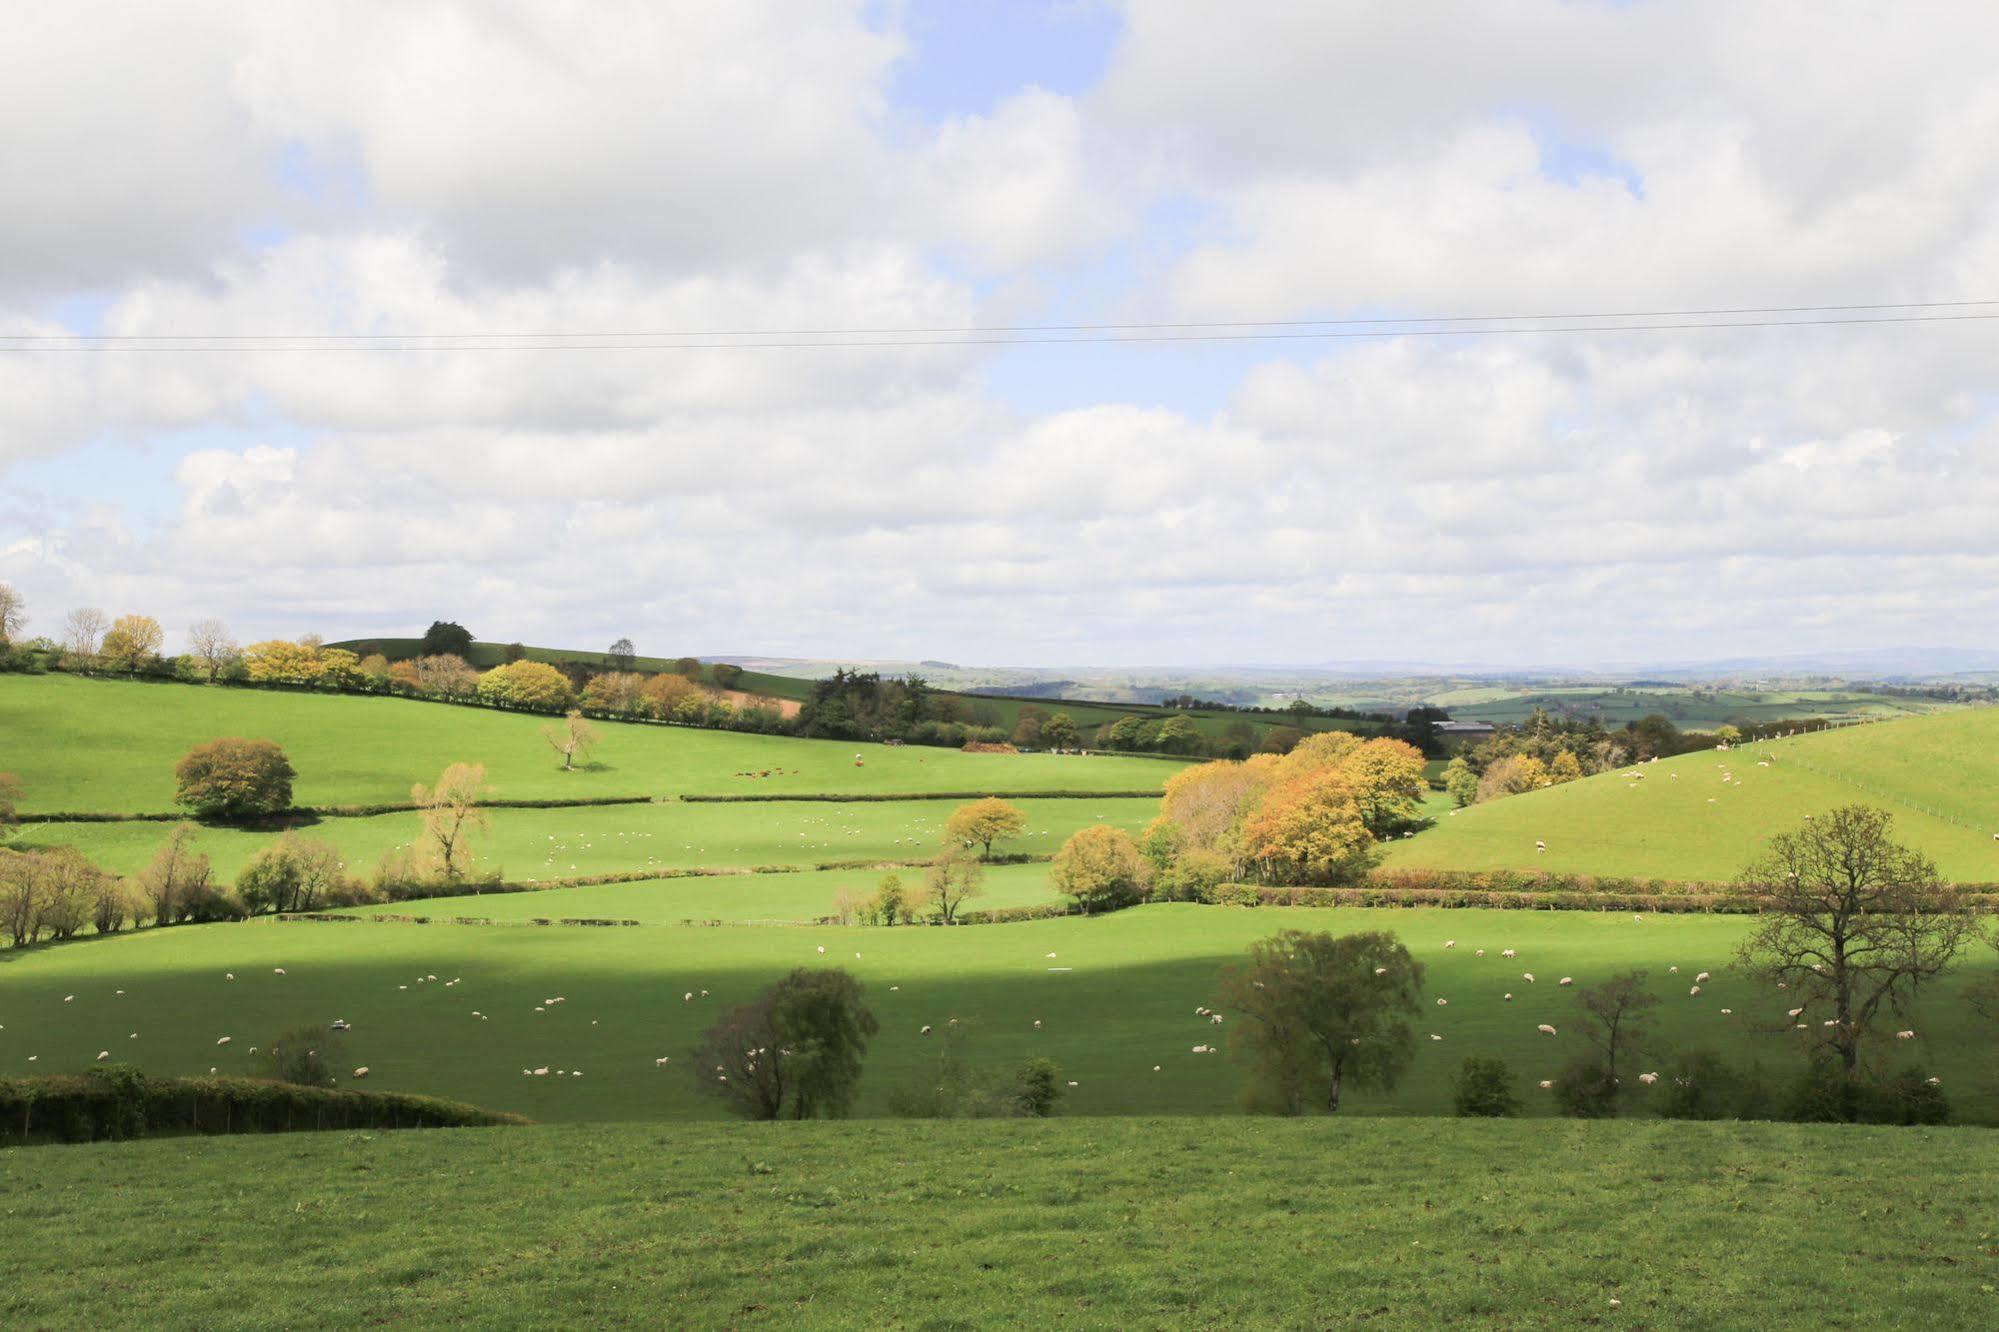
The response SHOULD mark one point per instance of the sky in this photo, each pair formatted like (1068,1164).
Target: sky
(477,168)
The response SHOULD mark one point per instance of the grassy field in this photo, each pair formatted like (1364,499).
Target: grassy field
(539,844)
(1083,1223)
(104,745)
(1117,999)
(732,899)
(1683,821)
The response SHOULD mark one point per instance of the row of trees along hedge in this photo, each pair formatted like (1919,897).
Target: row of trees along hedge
(117,1101)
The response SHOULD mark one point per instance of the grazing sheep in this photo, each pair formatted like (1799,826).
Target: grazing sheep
(1648,1078)
(1527,976)
(1546,1084)
(1794,1012)
(1695,990)
(1479,953)
(1441,1002)
(1701,979)
(1672,971)
(1726,1011)
(1381,971)
(1155,1068)
(1450,943)
(822,948)
(1545,1029)
(103,1055)
(1936,1082)
(662,1061)
(1905,1035)
(228,975)
(541,1072)
(1506,952)
(688,997)
(361,1072)
(1508,998)
(1037,1023)
(277,971)
(1566,980)
(69,998)
(924,1032)
(222,1041)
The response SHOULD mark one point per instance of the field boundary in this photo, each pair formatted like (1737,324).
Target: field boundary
(300,813)
(869,797)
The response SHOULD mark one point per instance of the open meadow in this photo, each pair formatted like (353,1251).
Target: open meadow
(1705,815)
(1116,998)
(1085,1223)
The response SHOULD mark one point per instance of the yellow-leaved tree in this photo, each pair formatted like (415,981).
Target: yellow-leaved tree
(983,822)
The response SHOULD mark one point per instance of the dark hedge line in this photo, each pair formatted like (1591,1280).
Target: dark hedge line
(388,918)
(121,1102)
(836,798)
(298,813)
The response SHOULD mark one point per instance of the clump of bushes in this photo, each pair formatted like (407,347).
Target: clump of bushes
(955,1090)
(1483,1088)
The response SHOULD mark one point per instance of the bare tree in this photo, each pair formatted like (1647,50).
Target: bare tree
(573,739)
(13,613)
(1616,1017)
(451,815)
(212,646)
(952,879)
(1853,925)
(83,632)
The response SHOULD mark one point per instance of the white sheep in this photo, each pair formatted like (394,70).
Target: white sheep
(924,1032)
(1566,980)
(1527,976)
(1701,979)
(1648,1078)
(1546,1084)
(1545,1029)
(1441,1002)
(1695,990)
(1905,1035)
(361,1072)
(223,1041)
(1508,998)
(1450,943)
(103,1055)
(1506,952)
(277,971)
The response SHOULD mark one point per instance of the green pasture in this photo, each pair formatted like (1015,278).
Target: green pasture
(731,898)
(105,745)
(1116,999)
(1085,1223)
(538,844)
(1687,708)
(1708,814)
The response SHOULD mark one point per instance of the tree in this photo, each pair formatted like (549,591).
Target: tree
(1460,782)
(10,799)
(69,890)
(451,816)
(794,1052)
(622,656)
(1483,1088)
(82,633)
(1059,731)
(672,697)
(952,879)
(1309,830)
(1027,727)
(1565,768)
(515,652)
(1311,1011)
(1727,734)
(616,691)
(20,897)
(302,1056)
(1386,778)
(573,739)
(13,613)
(527,684)
(1100,866)
(212,647)
(233,778)
(1853,925)
(133,641)
(176,879)
(1281,740)
(983,822)
(445,638)
(292,874)
(281,661)
(1615,1018)
(447,675)
(726,675)
(1179,735)
(1512,775)
(690,667)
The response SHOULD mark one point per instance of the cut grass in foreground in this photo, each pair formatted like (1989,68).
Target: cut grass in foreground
(1089,1223)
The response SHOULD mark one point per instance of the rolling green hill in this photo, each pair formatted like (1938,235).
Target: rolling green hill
(1706,815)
(1084,1223)
(105,745)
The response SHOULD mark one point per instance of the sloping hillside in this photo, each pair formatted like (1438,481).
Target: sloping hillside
(1706,815)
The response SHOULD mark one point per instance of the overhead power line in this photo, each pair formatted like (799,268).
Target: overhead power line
(1385,326)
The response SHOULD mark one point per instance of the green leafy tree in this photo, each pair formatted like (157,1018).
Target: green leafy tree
(1313,1014)
(1179,735)
(1059,731)
(1460,782)
(234,778)
(445,638)
(1483,1088)
(292,874)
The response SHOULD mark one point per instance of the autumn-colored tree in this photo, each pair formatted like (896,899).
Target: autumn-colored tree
(1312,1013)
(1460,782)
(1308,829)
(403,675)
(1853,924)
(671,697)
(294,873)
(281,661)
(68,892)
(212,648)
(451,816)
(573,739)
(1059,731)
(1100,866)
(1204,805)
(83,633)
(527,684)
(1318,752)
(447,675)
(983,822)
(615,691)
(1386,777)
(1027,727)
(10,799)
(233,778)
(132,641)
(340,669)
(1512,775)
(375,669)
(1566,768)
(952,879)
